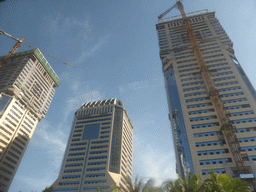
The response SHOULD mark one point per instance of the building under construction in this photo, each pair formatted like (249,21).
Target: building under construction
(212,103)
(27,84)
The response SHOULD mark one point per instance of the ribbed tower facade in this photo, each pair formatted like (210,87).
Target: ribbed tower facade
(199,143)
(27,85)
(99,149)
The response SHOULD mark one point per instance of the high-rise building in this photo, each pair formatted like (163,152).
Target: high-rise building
(99,149)
(200,145)
(27,85)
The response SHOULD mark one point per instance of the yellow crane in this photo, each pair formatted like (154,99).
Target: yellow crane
(17,46)
(226,125)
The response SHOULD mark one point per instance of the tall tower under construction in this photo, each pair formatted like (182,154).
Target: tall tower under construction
(199,136)
(27,84)
(99,149)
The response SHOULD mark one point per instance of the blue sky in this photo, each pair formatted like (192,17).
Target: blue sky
(113,45)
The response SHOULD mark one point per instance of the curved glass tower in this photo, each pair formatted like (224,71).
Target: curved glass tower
(200,144)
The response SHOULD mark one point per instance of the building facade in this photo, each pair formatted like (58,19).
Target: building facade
(99,149)
(199,143)
(27,85)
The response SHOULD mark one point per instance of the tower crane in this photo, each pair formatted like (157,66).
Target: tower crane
(226,125)
(17,46)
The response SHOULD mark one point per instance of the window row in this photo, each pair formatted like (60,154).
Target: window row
(195,94)
(223,79)
(194,83)
(184,58)
(208,134)
(75,154)
(209,143)
(205,125)
(74,165)
(95,181)
(225,84)
(219,171)
(241,113)
(212,152)
(193,89)
(199,105)
(71,177)
(189,74)
(216,47)
(97,157)
(97,169)
(234,100)
(202,118)
(190,79)
(78,144)
(69,183)
(99,142)
(186,61)
(232,94)
(95,111)
(95,175)
(248,148)
(184,66)
(197,99)
(92,121)
(213,56)
(219,74)
(99,147)
(73,171)
(200,111)
(98,152)
(248,139)
(215,61)
(75,159)
(229,89)
(93,117)
(244,130)
(97,163)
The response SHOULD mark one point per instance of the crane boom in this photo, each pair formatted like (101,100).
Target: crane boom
(18,44)
(167,11)
(14,49)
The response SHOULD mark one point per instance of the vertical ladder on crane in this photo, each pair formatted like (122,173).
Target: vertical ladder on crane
(226,126)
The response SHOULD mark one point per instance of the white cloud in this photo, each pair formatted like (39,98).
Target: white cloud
(141,85)
(40,182)
(76,101)
(53,139)
(152,162)
(91,51)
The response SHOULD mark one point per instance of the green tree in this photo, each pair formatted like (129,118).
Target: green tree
(230,184)
(192,183)
(171,185)
(48,189)
(115,189)
(137,186)
(213,184)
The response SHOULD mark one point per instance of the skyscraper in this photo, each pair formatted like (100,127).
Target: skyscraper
(27,85)
(200,144)
(99,149)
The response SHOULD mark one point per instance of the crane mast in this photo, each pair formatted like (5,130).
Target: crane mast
(226,125)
